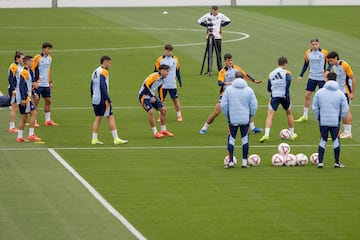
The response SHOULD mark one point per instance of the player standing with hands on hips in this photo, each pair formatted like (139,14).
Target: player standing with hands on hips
(330,107)
(214,21)
(239,105)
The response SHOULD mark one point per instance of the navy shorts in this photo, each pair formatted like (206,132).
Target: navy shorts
(102,110)
(173,93)
(147,105)
(311,85)
(23,109)
(45,92)
(275,102)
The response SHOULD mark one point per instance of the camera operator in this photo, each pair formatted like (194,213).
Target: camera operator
(214,21)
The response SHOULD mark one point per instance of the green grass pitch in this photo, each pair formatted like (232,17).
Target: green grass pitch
(173,188)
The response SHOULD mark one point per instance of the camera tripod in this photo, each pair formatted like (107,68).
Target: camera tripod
(210,45)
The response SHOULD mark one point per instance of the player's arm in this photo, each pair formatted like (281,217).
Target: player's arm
(203,20)
(104,88)
(35,69)
(12,76)
(157,64)
(22,87)
(178,75)
(148,82)
(351,75)
(288,82)
(269,86)
(305,66)
(250,78)
(224,20)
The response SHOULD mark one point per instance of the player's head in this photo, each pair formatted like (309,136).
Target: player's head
(282,61)
(333,58)
(164,70)
(19,56)
(168,49)
(228,59)
(331,76)
(46,48)
(105,61)
(28,61)
(315,43)
(214,10)
(239,75)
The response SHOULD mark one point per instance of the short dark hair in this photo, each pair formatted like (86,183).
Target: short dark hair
(18,55)
(314,40)
(282,61)
(104,58)
(333,54)
(331,76)
(27,58)
(239,75)
(47,45)
(164,66)
(214,7)
(169,47)
(227,56)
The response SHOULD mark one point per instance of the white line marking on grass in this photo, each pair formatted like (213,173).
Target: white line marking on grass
(97,195)
(244,36)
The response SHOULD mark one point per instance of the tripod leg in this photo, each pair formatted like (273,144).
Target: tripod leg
(203,62)
(210,54)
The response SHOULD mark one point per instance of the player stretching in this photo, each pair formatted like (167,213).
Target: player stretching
(170,82)
(44,84)
(14,80)
(101,101)
(225,78)
(346,79)
(149,101)
(25,105)
(315,59)
(279,85)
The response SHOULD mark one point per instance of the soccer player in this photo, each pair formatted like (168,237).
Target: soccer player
(315,59)
(169,85)
(225,78)
(25,105)
(44,84)
(214,21)
(149,101)
(347,82)
(101,101)
(278,86)
(239,105)
(14,79)
(330,107)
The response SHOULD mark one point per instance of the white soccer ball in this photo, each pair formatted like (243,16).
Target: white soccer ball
(301,159)
(164,12)
(227,158)
(285,133)
(290,160)
(254,160)
(277,159)
(314,158)
(284,148)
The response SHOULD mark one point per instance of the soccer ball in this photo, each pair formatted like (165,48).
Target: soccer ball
(314,158)
(254,160)
(284,148)
(227,158)
(301,159)
(285,133)
(290,160)
(277,159)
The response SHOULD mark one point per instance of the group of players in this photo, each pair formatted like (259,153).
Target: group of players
(29,80)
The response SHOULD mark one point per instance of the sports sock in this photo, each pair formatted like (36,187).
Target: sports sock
(267,131)
(252,125)
(244,162)
(47,116)
(12,125)
(94,135)
(178,114)
(31,131)
(114,133)
(163,127)
(205,126)
(154,130)
(292,131)
(20,133)
(306,111)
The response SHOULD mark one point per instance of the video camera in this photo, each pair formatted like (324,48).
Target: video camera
(209,25)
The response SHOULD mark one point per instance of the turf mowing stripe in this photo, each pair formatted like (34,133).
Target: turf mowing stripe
(97,195)
(157,147)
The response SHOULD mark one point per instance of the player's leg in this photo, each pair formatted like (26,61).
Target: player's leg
(232,131)
(113,130)
(23,118)
(36,100)
(165,91)
(324,131)
(272,108)
(13,111)
(334,132)
(211,117)
(244,131)
(253,128)
(347,122)
(310,88)
(175,98)
(287,106)
(161,108)
(99,110)
(33,115)
(47,104)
